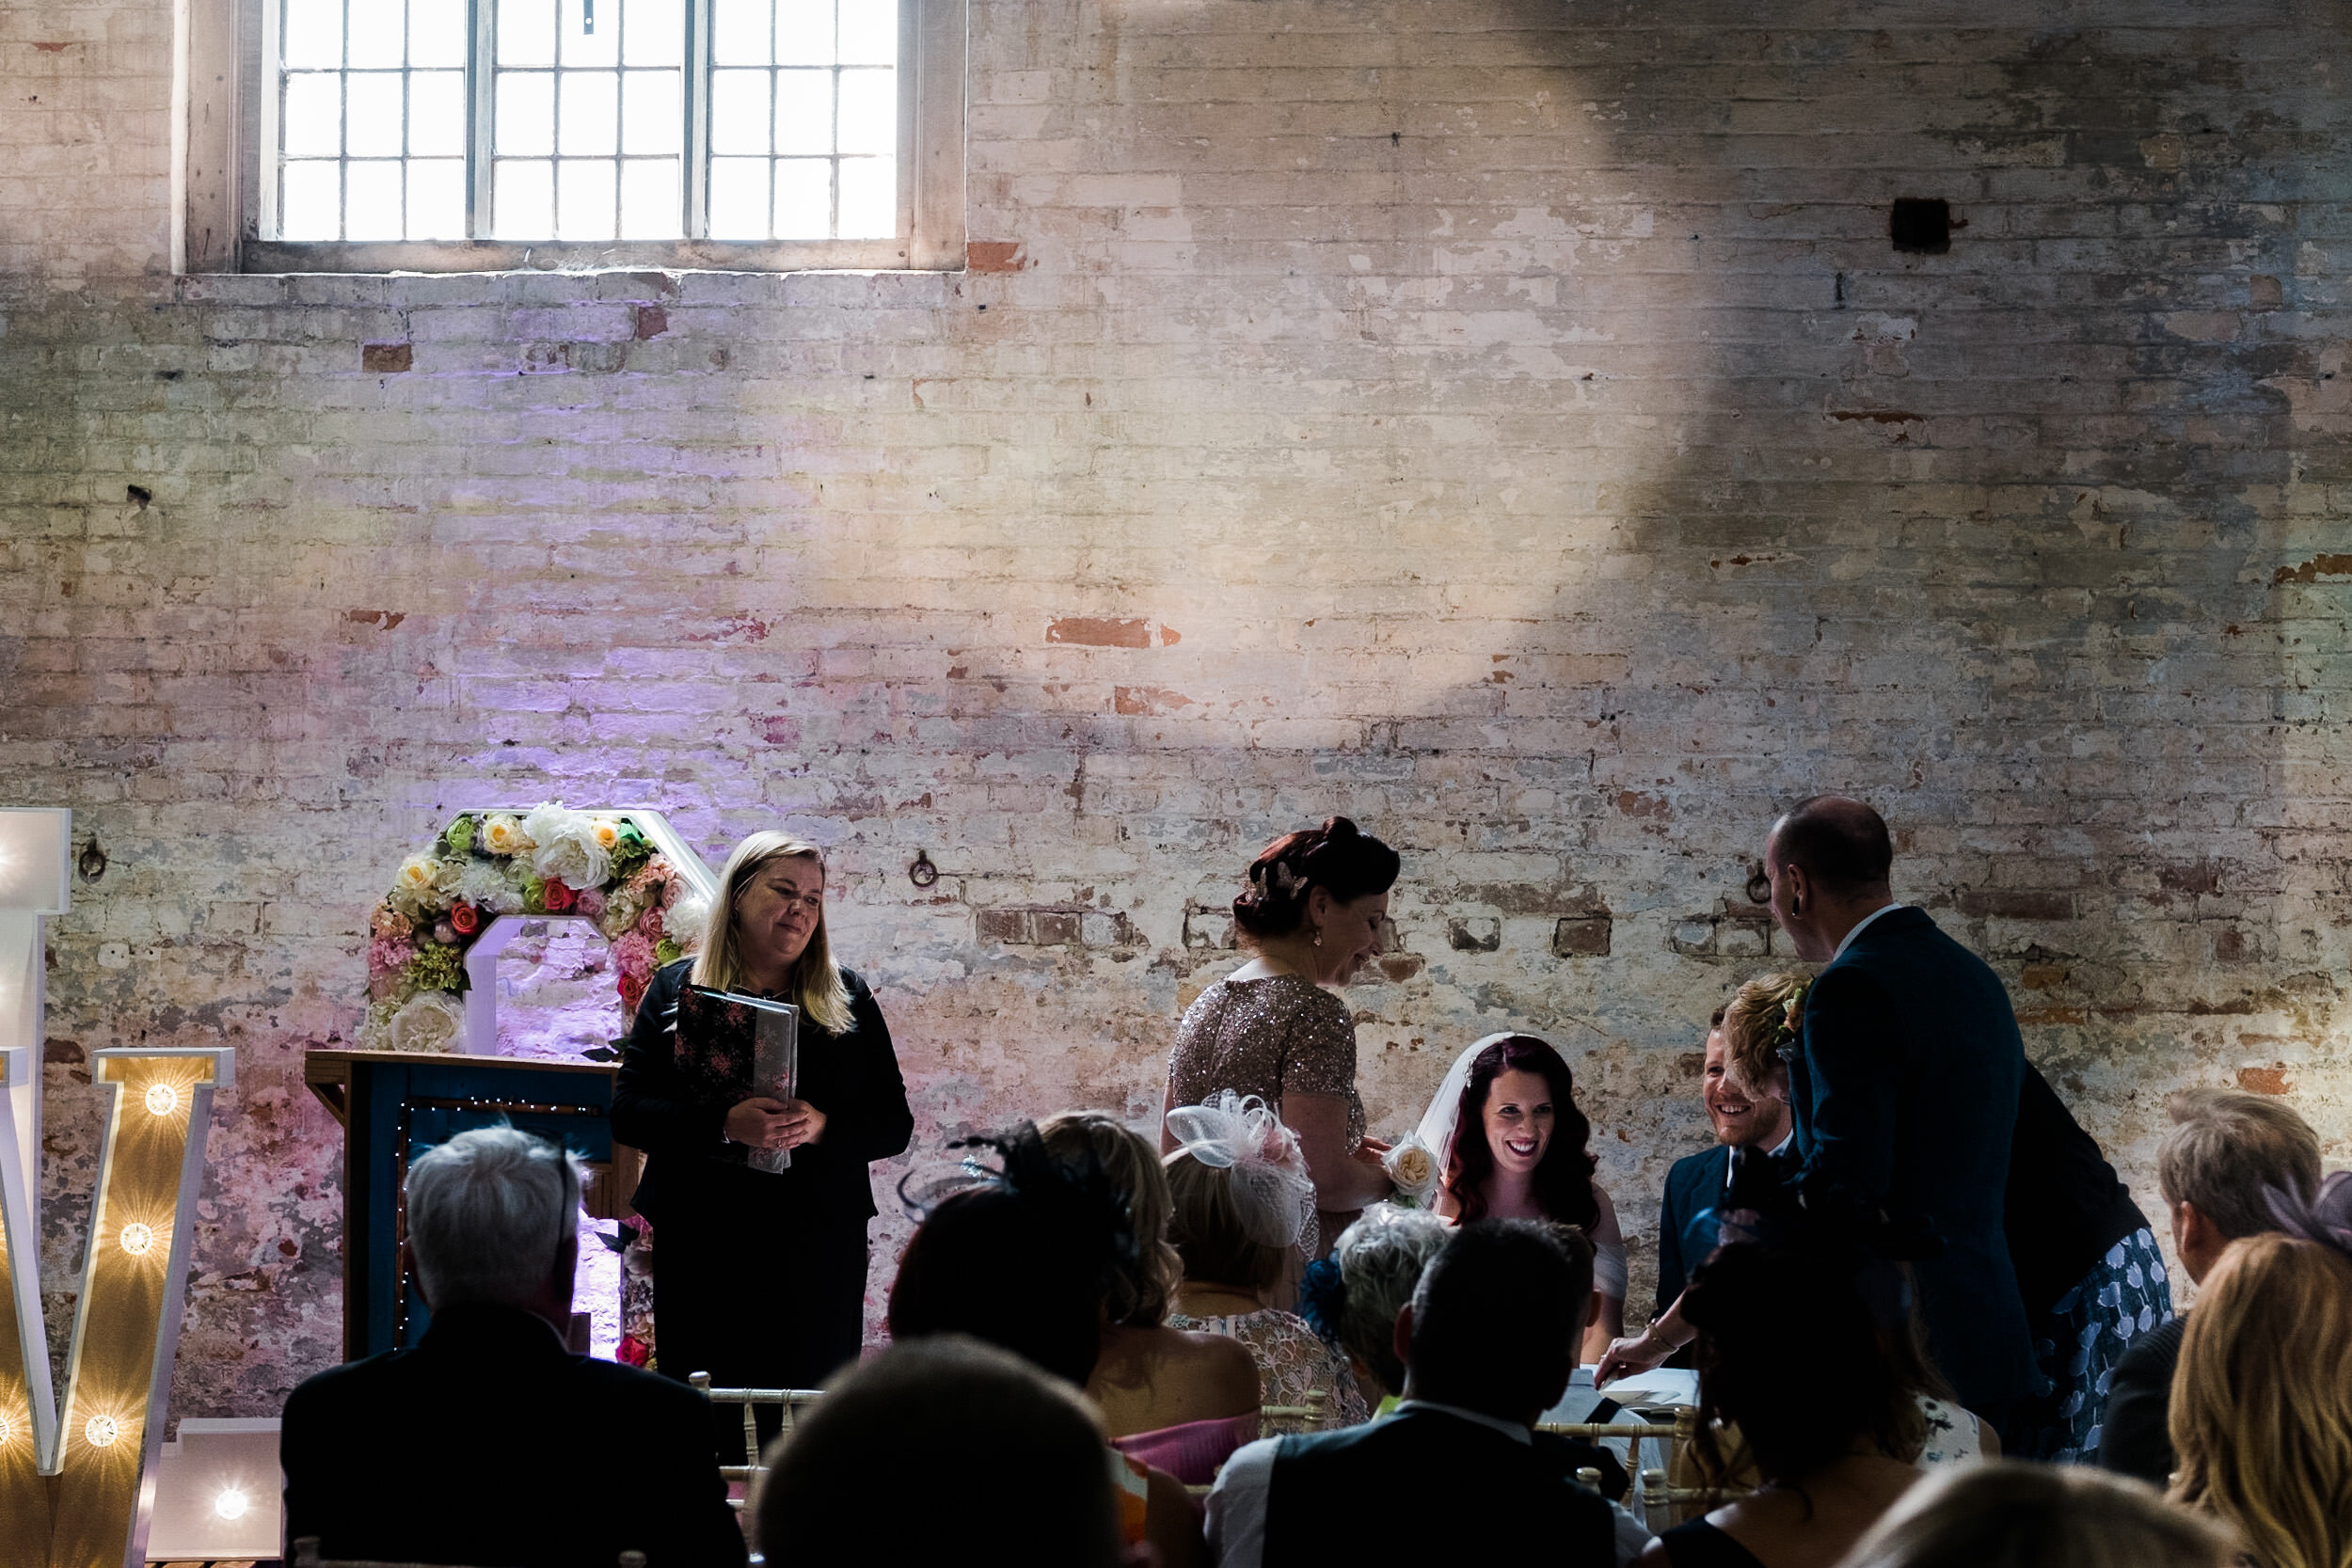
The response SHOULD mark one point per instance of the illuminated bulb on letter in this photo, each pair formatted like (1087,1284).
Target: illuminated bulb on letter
(162,1099)
(7,1432)
(100,1431)
(137,1239)
(231,1504)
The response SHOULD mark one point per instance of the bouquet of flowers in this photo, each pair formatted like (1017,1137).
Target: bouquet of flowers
(484,865)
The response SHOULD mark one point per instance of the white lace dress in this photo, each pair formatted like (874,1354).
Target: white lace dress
(1292,1360)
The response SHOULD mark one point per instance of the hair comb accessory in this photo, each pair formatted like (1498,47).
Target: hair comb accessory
(1271,1188)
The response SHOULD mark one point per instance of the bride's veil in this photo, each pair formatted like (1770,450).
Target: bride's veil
(1437,1123)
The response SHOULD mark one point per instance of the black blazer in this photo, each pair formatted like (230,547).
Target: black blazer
(1905,1088)
(1686,1224)
(1322,1508)
(484,1445)
(2136,1433)
(2066,1207)
(852,1077)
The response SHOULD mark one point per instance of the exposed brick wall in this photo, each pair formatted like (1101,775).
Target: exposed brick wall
(1507,424)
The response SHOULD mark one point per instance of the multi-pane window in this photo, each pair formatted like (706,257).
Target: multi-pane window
(372,120)
(588,131)
(586,119)
(803,119)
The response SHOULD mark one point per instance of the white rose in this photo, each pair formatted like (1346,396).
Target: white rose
(423,884)
(566,848)
(685,920)
(1413,1168)
(429,1021)
(501,833)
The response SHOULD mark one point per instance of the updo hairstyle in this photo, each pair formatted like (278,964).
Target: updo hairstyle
(1143,1283)
(1345,863)
(1205,1225)
(1757,1025)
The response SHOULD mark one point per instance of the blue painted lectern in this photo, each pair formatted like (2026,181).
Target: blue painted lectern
(394,1105)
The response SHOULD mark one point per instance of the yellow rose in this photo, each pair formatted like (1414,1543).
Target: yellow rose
(606,831)
(502,834)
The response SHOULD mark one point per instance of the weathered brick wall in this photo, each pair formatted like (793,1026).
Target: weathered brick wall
(1506,422)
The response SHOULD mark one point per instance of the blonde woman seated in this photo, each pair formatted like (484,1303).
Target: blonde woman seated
(2262,1404)
(1179,1401)
(1243,1206)
(1511,1143)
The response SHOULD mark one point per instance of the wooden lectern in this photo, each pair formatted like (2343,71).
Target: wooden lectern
(393,1104)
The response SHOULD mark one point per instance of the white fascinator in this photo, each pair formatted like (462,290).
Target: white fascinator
(1272,1191)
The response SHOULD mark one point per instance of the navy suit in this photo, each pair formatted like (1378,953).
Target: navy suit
(1905,1088)
(1687,1223)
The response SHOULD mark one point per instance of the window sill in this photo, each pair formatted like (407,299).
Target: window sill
(388,256)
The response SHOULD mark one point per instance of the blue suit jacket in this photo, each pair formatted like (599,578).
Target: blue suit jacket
(1905,1089)
(1687,1223)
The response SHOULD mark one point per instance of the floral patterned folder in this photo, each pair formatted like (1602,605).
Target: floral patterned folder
(732,1047)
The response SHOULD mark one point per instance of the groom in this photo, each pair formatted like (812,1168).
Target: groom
(1905,1084)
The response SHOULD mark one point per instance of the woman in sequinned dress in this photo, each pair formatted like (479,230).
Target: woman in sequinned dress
(1275,1027)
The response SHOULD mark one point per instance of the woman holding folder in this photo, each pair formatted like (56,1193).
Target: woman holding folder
(759,1276)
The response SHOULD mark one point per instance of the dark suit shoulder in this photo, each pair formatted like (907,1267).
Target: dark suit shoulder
(1693,1168)
(2152,1357)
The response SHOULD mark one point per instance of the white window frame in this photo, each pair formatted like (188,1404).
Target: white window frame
(225,166)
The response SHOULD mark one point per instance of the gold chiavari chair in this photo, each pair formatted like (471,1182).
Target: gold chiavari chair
(1672,1427)
(791,1400)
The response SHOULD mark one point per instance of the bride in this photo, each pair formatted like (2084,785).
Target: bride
(1509,1143)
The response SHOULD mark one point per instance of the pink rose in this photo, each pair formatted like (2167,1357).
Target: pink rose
(463,919)
(632,955)
(673,889)
(651,923)
(589,903)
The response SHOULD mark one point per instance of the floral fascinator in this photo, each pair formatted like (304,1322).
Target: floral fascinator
(2325,1219)
(1272,1191)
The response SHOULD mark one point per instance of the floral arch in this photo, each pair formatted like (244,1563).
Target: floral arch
(434,937)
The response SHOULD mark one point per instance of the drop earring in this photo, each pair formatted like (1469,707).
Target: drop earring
(1318,936)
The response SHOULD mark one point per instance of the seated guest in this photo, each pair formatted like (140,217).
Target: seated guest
(1179,1401)
(1833,1440)
(2037,1516)
(1510,1144)
(1244,1207)
(465,1449)
(2262,1401)
(1024,1257)
(1745,1118)
(2225,1149)
(1352,1298)
(1010,1463)
(1488,1342)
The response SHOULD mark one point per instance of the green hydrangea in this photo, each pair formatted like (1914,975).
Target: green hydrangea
(438,966)
(630,853)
